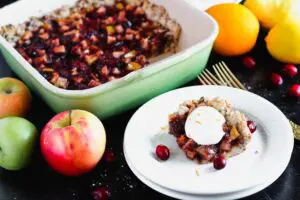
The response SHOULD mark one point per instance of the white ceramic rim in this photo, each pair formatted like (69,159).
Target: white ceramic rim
(168,62)
(186,196)
(260,176)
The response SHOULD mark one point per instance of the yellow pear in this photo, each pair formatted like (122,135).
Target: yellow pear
(283,41)
(269,12)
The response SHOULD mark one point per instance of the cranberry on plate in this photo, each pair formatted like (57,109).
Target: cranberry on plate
(219,162)
(162,152)
(252,126)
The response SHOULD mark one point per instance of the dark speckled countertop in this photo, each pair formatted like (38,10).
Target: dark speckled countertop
(38,182)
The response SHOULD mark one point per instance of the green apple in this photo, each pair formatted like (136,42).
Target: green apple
(17,140)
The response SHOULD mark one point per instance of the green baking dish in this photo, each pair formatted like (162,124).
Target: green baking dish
(117,96)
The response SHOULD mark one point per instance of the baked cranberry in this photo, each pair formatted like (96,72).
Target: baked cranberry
(249,62)
(162,152)
(295,90)
(276,79)
(252,126)
(290,70)
(101,193)
(219,162)
(109,156)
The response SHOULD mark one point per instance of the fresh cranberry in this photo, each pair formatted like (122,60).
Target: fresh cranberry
(249,62)
(290,70)
(252,126)
(276,79)
(295,90)
(162,152)
(109,156)
(219,162)
(101,193)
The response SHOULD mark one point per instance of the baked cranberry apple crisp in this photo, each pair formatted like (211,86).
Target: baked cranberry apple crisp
(209,129)
(95,41)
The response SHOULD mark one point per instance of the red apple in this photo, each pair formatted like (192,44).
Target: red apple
(73,142)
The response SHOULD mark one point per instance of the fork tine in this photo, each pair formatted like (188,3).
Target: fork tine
(204,80)
(226,74)
(218,82)
(220,75)
(209,78)
(233,76)
(201,81)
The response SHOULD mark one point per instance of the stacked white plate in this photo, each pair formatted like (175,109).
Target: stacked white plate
(265,159)
(204,4)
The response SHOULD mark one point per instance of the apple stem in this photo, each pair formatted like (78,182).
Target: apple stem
(70,119)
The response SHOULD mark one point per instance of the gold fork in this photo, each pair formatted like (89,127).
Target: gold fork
(224,76)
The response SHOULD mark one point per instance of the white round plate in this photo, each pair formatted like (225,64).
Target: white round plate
(178,195)
(265,159)
(204,4)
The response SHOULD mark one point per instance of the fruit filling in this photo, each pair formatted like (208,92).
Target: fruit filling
(228,140)
(95,44)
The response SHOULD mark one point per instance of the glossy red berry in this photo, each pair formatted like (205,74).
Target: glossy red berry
(276,79)
(249,62)
(290,70)
(162,152)
(109,156)
(219,162)
(252,126)
(101,193)
(295,90)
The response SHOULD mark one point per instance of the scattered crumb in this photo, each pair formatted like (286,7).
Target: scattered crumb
(164,128)
(256,152)
(197,172)
(198,121)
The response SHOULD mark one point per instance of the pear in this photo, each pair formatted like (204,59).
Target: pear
(270,12)
(283,40)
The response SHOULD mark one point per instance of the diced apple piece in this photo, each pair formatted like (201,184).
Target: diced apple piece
(59,49)
(129,37)
(118,54)
(104,71)
(101,10)
(120,6)
(111,39)
(94,83)
(139,11)
(133,66)
(62,82)
(55,42)
(234,133)
(122,16)
(110,30)
(90,59)
(47,69)
(44,36)
(27,35)
(130,54)
(116,71)
(119,28)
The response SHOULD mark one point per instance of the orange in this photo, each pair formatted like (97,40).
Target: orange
(15,98)
(238,29)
